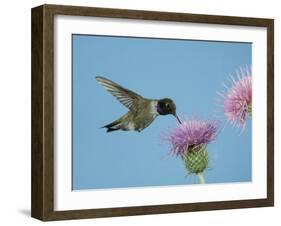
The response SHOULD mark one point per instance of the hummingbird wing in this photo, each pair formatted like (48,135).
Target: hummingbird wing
(127,97)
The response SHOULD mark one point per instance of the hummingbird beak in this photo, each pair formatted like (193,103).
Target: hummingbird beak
(177,118)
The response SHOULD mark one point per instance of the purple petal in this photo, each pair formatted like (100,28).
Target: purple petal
(238,97)
(192,132)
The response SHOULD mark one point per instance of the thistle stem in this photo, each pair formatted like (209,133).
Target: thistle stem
(201,178)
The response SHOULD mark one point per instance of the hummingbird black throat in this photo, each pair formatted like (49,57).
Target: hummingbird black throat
(142,111)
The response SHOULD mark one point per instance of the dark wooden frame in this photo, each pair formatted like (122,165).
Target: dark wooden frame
(42,203)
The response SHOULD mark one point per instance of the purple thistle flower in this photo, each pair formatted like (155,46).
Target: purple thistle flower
(238,99)
(190,134)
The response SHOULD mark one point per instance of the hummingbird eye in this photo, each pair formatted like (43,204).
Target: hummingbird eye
(167,105)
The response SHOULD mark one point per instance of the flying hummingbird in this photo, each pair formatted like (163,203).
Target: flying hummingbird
(142,111)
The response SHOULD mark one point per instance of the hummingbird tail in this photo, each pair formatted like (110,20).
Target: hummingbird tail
(111,129)
(112,126)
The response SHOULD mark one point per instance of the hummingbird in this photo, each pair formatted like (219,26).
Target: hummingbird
(142,111)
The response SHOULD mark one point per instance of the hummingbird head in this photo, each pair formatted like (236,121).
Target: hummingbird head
(166,106)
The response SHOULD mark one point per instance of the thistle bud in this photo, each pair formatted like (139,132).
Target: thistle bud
(190,140)
(237,98)
(196,160)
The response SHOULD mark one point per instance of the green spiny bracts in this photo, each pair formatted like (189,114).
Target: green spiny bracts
(249,110)
(196,159)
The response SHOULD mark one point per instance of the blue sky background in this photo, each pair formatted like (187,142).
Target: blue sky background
(189,72)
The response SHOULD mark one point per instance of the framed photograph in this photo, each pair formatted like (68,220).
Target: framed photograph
(142,112)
